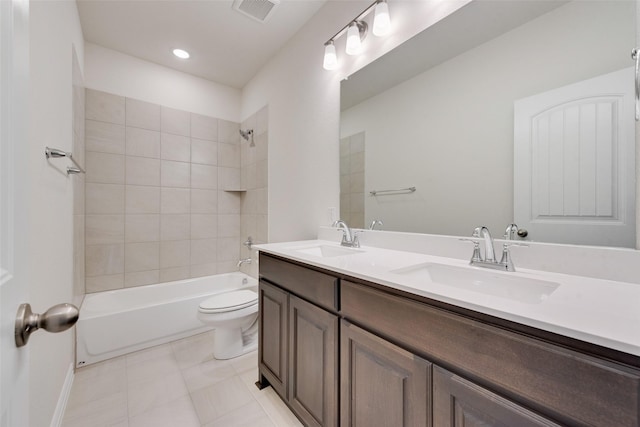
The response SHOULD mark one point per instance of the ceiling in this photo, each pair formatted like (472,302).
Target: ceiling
(226,46)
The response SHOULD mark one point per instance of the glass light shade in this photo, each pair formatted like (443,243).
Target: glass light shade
(381,20)
(354,44)
(330,57)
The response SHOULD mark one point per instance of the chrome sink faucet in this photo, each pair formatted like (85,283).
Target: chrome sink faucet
(349,238)
(481,234)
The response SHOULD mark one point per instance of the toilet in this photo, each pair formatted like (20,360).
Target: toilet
(234,315)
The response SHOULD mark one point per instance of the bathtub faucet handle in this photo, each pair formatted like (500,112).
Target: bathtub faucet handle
(248,243)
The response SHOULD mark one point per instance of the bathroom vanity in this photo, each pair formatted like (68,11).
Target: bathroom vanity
(347,349)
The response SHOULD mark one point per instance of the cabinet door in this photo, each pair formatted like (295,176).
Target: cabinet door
(458,402)
(313,363)
(380,383)
(273,305)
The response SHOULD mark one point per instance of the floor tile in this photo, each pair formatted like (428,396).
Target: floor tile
(245,362)
(179,413)
(207,374)
(193,350)
(249,379)
(106,411)
(220,399)
(152,368)
(148,354)
(276,409)
(146,395)
(250,415)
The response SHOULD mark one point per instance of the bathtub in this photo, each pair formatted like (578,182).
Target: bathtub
(118,322)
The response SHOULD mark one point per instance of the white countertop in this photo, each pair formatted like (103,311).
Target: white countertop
(602,312)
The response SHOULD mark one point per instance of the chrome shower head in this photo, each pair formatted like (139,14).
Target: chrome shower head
(246,134)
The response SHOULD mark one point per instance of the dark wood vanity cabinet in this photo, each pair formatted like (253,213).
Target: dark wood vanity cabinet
(298,352)
(408,361)
(381,384)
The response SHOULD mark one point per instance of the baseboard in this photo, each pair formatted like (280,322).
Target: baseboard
(58,415)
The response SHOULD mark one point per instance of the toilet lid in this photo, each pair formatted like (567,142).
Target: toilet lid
(229,301)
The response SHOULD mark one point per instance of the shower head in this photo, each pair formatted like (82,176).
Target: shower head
(246,134)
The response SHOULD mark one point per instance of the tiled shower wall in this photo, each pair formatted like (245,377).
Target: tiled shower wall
(156,205)
(352,180)
(253,179)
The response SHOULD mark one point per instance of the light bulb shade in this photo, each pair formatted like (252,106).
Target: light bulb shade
(330,57)
(354,38)
(381,20)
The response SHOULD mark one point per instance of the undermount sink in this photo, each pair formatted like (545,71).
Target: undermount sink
(327,251)
(505,285)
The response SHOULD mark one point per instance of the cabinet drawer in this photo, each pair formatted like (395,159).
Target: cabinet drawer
(568,386)
(314,286)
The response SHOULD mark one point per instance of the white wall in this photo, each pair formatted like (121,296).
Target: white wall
(304,110)
(117,73)
(449,131)
(54,29)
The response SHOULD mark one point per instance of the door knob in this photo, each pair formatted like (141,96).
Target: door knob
(58,318)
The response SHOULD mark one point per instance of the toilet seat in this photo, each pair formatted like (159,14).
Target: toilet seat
(229,301)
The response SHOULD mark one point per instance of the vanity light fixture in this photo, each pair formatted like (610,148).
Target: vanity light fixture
(356,31)
(180,53)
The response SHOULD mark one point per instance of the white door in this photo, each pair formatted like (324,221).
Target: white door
(574,162)
(14,51)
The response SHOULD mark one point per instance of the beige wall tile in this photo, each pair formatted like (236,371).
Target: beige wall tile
(175,254)
(203,127)
(262,147)
(250,171)
(228,202)
(345,184)
(142,200)
(142,228)
(247,226)
(177,122)
(229,225)
(143,143)
(229,155)
(357,183)
(356,143)
(104,137)
(175,147)
(248,202)
(202,270)
(228,249)
(204,152)
(356,161)
(141,256)
(174,226)
(262,228)
(261,174)
(357,202)
(228,178)
(204,201)
(204,176)
(143,171)
(104,283)
(345,165)
(175,174)
(104,198)
(228,132)
(104,229)
(104,107)
(226,267)
(101,260)
(142,114)
(139,278)
(204,251)
(174,273)
(203,226)
(261,201)
(104,168)
(175,200)
(345,148)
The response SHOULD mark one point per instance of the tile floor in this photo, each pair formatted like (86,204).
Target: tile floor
(178,384)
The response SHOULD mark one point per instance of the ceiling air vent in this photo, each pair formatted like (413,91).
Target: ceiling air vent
(260,10)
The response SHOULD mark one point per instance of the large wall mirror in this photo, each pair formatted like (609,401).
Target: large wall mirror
(505,111)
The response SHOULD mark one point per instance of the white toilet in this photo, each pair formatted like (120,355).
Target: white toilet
(234,315)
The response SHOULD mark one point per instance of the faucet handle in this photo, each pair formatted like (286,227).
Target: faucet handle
(476,249)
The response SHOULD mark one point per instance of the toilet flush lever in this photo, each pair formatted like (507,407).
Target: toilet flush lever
(57,319)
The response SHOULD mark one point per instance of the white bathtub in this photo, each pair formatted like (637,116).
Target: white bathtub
(118,322)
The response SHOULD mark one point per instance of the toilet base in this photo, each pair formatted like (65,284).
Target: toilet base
(230,343)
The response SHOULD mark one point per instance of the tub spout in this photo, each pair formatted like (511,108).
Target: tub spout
(244,261)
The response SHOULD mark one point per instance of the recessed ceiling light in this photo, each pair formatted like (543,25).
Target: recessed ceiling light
(182,54)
